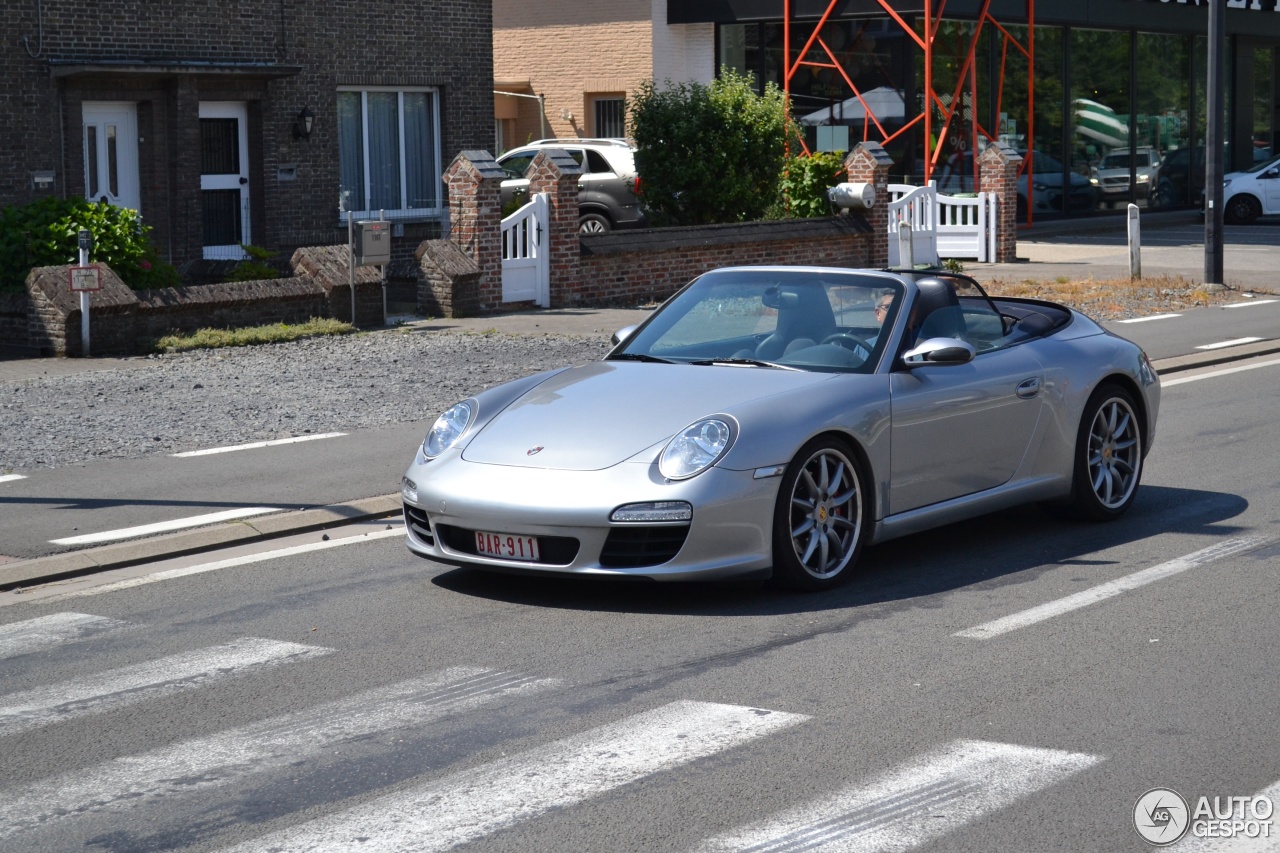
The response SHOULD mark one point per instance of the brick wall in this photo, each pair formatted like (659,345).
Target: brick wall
(292,55)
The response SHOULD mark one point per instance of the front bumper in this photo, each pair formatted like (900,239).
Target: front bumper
(729,535)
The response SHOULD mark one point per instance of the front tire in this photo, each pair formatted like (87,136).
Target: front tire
(594,223)
(1108,464)
(1243,210)
(821,519)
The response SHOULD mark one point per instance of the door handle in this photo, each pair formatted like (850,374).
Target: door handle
(244,181)
(1029,388)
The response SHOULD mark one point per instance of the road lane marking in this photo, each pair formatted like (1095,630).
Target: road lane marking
(1149,318)
(129,685)
(1251,303)
(167,526)
(1234,343)
(228,563)
(9,478)
(199,765)
(34,635)
(914,803)
(1107,590)
(256,444)
(1165,383)
(473,804)
(1241,843)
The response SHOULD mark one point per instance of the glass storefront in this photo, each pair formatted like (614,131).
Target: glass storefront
(1119,114)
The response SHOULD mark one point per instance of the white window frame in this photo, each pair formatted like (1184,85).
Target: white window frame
(437,169)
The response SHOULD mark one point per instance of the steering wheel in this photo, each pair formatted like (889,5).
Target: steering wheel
(849,342)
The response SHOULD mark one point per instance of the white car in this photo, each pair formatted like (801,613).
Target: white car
(1252,193)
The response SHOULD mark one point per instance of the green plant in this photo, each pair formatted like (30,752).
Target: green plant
(270,334)
(953,265)
(256,267)
(45,233)
(805,180)
(709,153)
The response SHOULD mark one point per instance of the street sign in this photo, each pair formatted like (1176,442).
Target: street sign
(84,278)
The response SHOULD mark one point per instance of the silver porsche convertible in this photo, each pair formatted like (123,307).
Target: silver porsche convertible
(774,421)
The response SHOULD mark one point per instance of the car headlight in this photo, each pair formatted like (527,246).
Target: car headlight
(695,448)
(1144,179)
(447,429)
(1226,183)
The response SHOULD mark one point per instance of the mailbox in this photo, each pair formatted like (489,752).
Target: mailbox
(372,242)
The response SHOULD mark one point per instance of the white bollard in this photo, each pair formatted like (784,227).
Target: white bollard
(1135,243)
(906,247)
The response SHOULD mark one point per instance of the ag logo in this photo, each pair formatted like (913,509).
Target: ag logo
(1161,816)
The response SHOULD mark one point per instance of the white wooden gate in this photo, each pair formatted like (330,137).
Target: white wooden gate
(526,258)
(942,226)
(917,207)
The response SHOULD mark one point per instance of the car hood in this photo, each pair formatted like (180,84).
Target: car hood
(592,417)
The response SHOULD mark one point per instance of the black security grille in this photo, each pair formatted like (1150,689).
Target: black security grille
(552,550)
(636,547)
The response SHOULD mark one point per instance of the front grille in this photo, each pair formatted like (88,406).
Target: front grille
(636,547)
(552,550)
(418,523)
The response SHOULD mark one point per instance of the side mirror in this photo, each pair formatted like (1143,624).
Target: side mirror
(939,351)
(622,334)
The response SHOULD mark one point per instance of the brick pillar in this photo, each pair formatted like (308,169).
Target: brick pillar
(475,219)
(186,211)
(998,173)
(554,172)
(869,163)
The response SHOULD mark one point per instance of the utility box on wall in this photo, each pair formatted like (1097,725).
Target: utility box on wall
(372,242)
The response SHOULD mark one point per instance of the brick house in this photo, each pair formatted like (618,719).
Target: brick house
(583,60)
(245,121)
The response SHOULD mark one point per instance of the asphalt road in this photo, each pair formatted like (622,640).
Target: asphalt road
(53,505)
(353,697)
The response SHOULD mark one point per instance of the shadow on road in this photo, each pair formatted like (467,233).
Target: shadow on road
(990,552)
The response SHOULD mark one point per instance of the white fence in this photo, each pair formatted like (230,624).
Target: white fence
(953,227)
(526,260)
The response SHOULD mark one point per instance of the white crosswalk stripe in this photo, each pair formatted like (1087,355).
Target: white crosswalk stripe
(226,758)
(474,804)
(116,688)
(1262,838)
(34,635)
(916,802)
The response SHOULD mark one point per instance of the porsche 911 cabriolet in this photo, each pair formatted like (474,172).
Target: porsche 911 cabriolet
(774,421)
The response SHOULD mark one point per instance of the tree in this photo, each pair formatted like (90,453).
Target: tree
(709,153)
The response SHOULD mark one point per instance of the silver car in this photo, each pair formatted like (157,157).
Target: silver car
(774,421)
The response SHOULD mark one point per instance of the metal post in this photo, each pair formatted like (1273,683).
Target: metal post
(382,270)
(351,260)
(1135,243)
(1213,146)
(84,306)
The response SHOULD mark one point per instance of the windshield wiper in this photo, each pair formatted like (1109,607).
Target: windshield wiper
(749,362)
(639,356)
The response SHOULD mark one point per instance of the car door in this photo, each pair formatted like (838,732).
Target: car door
(961,429)
(1269,180)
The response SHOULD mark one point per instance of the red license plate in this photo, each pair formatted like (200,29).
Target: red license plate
(507,546)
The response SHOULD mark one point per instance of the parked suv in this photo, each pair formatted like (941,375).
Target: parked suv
(1112,175)
(607,196)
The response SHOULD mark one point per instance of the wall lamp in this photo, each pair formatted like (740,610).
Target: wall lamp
(302,124)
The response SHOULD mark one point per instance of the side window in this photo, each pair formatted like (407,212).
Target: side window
(596,164)
(984,328)
(516,165)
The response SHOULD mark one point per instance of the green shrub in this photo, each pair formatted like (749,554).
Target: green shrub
(256,267)
(709,153)
(46,232)
(805,180)
(251,336)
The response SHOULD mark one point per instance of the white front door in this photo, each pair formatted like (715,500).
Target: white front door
(224,178)
(110,139)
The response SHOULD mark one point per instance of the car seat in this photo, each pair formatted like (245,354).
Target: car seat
(936,313)
(804,318)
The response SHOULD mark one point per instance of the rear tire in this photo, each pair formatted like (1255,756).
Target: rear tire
(1108,463)
(594,223)
(821,519)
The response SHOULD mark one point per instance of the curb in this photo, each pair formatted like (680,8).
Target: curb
(121,555)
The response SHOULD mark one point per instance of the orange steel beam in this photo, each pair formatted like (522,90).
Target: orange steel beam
(967,77)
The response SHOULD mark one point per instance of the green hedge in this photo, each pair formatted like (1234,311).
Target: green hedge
(45,233)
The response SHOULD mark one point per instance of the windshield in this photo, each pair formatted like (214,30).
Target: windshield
(823,320)
(1263,166)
